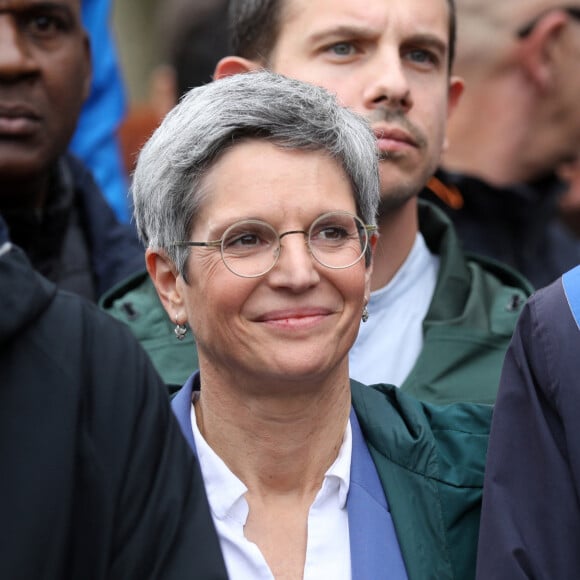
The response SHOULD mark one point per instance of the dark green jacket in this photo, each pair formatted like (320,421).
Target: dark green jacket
(466,331)
(470,321)
(430,460)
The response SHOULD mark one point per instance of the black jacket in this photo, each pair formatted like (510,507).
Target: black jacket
(76,240)
(96,481)
(518,225)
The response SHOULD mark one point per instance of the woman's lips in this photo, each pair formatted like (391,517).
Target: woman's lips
(294,318)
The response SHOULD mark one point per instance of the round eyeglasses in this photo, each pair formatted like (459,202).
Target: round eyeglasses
(251,248)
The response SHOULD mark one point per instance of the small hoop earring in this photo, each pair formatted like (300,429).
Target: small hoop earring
(180,330)
(365,314)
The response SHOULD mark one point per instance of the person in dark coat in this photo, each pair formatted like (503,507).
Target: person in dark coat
(97,481)
(52,206)
(516,124)
(530,522)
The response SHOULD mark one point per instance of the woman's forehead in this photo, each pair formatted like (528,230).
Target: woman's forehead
(258,177)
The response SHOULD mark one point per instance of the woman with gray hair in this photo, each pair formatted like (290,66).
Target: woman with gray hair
(256,198)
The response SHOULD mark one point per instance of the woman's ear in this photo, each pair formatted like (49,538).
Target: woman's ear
(164,277)
(373,239)
(232,65)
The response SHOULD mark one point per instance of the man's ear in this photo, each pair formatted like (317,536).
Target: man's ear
(164,278)
(539,49)
(232,65)
(456,88)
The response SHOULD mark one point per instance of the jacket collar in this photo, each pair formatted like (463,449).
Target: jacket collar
(455,278)
(181,405)
(368,512)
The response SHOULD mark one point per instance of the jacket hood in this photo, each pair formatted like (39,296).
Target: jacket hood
(25,293)
(441,238)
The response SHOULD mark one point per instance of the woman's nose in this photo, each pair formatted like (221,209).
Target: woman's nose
(295,267)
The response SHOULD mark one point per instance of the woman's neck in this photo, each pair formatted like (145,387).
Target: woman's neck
(278,443)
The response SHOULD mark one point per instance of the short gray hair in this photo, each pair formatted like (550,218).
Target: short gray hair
(168,180)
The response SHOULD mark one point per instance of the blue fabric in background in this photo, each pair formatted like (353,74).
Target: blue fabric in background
(95,141)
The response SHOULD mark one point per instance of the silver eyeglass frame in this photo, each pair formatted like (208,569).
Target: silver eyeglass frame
(368,229)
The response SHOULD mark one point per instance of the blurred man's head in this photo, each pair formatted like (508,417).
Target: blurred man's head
(388,60)
(520,62)
(44,79)
(194,36)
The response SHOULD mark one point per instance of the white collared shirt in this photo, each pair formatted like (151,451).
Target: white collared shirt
(389,344)
(328,543)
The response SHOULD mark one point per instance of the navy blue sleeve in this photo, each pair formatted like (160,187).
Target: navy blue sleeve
(530,524)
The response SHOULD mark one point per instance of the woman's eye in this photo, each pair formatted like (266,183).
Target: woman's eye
(243,240)
(331,233)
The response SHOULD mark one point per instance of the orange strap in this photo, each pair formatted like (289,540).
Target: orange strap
(448,194)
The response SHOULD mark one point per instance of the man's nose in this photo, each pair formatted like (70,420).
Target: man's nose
(388,84)
(16,58)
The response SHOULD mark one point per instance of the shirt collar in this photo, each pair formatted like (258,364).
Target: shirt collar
(226,492)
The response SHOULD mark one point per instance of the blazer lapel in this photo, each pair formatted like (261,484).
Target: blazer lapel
(181,406)
(374,547)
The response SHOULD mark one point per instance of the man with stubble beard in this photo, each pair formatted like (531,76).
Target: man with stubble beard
(438,324)
(433,325)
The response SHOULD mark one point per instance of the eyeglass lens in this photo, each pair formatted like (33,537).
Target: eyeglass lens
(336,240)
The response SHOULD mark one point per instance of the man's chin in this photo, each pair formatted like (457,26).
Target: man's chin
(397,188)
(18,175)
(392,202)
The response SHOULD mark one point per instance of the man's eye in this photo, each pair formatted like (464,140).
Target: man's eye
(342,49)
(422,56)
(45,25)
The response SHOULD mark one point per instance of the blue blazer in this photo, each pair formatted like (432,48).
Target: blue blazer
(374,548)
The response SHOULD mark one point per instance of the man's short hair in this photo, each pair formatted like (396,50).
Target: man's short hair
(194,37)
(255,26)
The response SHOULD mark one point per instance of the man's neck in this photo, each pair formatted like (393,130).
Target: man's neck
(397,234)
(18,193)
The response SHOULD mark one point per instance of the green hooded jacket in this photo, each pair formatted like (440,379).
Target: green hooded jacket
(430,460)
(466,331)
